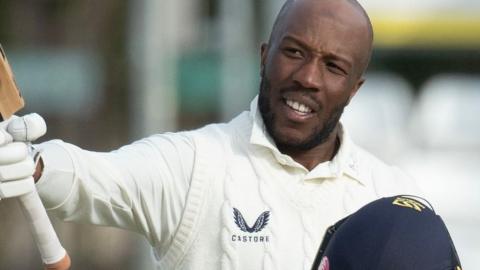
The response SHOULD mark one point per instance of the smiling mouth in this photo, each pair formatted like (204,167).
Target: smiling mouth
(298,107)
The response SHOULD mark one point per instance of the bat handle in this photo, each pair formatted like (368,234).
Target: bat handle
(53,254)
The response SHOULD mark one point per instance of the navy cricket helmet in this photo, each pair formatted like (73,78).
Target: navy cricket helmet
(395,233)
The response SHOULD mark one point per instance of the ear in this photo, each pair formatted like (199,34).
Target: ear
(263,56)
(355,89)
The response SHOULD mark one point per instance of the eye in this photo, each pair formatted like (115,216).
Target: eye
(293,52)
(333,67)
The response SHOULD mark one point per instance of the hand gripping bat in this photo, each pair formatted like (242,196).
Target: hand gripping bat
(53,254)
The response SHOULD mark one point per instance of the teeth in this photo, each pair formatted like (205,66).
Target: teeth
(298,106)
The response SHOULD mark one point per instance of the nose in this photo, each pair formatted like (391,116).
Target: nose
(309,75)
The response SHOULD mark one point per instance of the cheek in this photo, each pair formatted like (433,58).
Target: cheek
(338,93)
(339,86)
(278,69)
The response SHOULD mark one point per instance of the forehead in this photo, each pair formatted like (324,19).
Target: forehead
(336,24)
(307,13)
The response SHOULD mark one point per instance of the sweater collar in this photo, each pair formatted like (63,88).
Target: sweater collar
(344,162)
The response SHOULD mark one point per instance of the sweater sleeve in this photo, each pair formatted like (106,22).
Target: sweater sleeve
(140,187)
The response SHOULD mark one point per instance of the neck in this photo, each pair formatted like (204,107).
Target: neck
(312,157)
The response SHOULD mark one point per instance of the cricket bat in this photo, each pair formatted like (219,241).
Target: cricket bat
(53,254)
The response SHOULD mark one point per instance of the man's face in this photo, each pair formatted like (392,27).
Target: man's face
(310,71)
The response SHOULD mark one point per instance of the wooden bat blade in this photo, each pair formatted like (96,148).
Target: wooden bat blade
(10,98)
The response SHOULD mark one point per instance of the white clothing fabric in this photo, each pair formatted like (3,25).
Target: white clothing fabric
(221,197)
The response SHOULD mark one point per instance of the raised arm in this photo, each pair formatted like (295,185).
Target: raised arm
(140,187)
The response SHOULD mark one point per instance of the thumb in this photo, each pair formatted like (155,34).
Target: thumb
(27,128)
(5,138)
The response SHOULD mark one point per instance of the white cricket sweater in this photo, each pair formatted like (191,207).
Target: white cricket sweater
(220,197)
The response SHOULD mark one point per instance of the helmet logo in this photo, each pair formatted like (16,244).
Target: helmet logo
(324,264)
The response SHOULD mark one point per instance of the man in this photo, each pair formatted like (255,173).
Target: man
(253,193)
(395,233)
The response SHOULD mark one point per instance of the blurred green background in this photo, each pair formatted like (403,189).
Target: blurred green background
(105,73)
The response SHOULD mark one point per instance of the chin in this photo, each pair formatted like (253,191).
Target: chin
(292,139)
(289,138)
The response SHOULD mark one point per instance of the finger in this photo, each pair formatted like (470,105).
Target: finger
(16,188)
(17,170)
(5,137)
(27,128)
(13,152)
(4,124)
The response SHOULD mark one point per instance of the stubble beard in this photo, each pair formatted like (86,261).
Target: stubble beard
(319,135)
